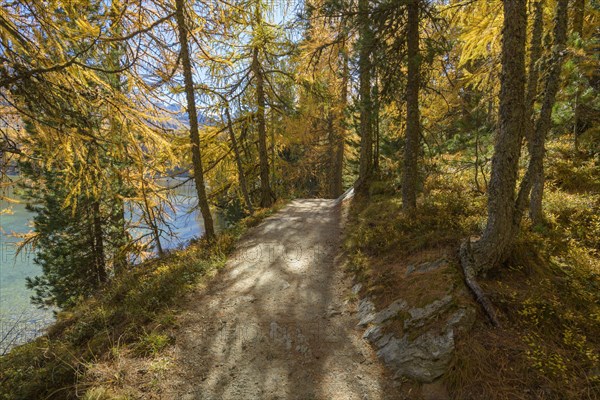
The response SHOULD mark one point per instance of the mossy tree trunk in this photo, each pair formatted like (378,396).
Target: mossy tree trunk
(494,245)
(413,129)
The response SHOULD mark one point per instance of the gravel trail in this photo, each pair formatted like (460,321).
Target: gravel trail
(278,321)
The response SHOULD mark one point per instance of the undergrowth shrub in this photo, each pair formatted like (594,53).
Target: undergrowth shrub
(547,294)
(571,171)
(447,213)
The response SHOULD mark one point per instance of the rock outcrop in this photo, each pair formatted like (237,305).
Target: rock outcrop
(422,348)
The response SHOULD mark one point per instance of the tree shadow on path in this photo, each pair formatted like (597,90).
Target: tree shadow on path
(275,323)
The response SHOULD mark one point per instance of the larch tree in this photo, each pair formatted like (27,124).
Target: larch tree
(577,28)
(86,133)
(247,67)
(266,195)
(339,132)
(495,243)
(323,73)
(413,123)
(544,121)
(365,48)
(182,29)
(238,160)
(535,54)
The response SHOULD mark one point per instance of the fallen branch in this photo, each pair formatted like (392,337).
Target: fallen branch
(468,266)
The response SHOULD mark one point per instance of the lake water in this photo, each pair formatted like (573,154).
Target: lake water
(20,320)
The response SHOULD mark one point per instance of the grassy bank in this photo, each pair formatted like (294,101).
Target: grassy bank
(547,294)
(132,314)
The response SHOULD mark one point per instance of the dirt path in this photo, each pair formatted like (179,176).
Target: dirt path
(277,322)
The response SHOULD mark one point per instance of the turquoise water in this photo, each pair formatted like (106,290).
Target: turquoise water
(21,321)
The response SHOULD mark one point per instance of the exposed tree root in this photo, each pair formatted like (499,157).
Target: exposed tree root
(468,266)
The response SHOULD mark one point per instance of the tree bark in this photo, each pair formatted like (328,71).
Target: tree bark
(273,171)
(535,54)
(376,110)
(365,169)
(266,197)
(544,121)
(337,170)
(193,119)
(115,53)
(578,14)
(238,162)
(494,245)
(99,256)
(412,140)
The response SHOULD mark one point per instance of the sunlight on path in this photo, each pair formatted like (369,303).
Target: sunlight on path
(276,323)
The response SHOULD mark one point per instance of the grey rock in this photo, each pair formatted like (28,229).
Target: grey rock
(356,288)
(455,318)
(384,340)
(373,334)
(366,312)
(390,311)
(419,316)
(426,266)
(423,359)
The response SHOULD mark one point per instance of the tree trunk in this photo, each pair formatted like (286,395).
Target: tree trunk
(193,119)
(272,149)
(366,126)
(535,54)
(120,261)
(266,198)
(151,217)
(496,240)
(494,245)
(101,274)
(578,14)
(544,121)
(412,141)
(238,162)
(376,109)
(116,51)
(337,170)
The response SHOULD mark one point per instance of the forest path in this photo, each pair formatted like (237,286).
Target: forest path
(277,322)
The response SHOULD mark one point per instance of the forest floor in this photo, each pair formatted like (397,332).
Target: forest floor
(277,322)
